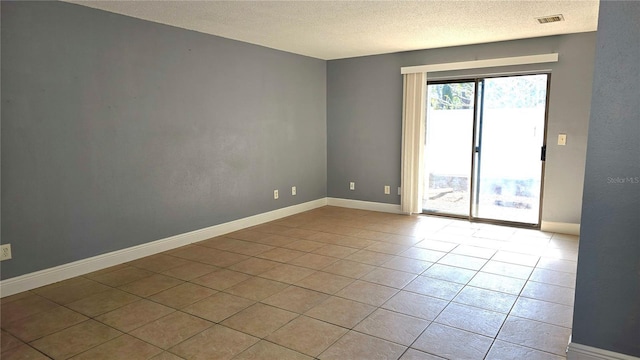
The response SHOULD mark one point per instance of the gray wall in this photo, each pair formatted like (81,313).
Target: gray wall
(364,117)
(607,306)
(117,132)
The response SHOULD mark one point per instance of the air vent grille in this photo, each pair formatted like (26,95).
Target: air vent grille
(550,19)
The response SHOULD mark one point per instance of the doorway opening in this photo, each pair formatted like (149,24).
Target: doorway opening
(485,148)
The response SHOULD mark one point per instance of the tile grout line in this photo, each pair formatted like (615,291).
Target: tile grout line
(375,267)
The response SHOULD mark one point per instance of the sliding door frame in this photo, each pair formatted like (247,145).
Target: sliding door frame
(477,112)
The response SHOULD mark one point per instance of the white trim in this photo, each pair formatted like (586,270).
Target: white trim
(562,228)
(488,74)
(584,352)
(476,64)
(364,205)
(49,276)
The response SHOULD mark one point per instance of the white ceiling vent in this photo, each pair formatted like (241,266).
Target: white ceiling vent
(550,19)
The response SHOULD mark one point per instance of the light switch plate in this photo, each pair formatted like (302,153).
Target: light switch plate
(562,139)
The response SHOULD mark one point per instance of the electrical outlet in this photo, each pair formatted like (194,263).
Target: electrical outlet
(275,194)
(5,252)
(387,189)
(293,191)
(352,186)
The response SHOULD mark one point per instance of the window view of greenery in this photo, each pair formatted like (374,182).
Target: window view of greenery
(523,92)
(452,96)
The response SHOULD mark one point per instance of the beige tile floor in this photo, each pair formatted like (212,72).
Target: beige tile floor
(331,283)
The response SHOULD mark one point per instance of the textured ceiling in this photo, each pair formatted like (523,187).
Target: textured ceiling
(341,29)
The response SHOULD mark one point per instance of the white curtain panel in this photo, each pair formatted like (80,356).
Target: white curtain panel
(413,126)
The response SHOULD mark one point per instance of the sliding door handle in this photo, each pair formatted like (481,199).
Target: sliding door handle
(543,153)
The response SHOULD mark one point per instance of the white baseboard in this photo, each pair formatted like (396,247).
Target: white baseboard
(584,352)
(49,276)
(562,228)
(66,271)
(364,205)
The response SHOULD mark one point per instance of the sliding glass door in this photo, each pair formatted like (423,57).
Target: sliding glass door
(448,139)
(484,148)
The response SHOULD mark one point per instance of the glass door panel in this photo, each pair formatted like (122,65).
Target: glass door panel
(510,135)
(448,141)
